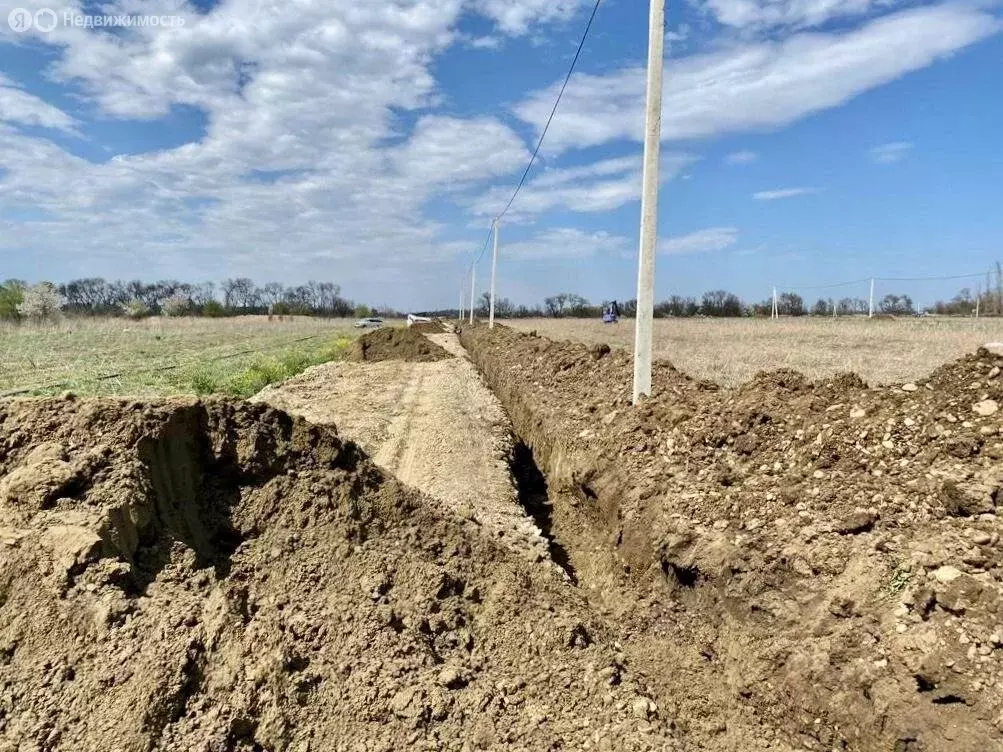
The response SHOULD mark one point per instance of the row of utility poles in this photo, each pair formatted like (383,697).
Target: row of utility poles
(649,215)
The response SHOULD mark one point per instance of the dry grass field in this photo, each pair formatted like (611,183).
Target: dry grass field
(731,351)
(161,356)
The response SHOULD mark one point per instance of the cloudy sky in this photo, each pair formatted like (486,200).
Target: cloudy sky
(370,142)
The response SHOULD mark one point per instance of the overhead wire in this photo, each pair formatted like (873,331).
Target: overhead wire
(546,128)
(929,279)
(862,280)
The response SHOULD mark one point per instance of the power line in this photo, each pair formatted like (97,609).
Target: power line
(484,247)
(929,279)
(546,128)
(824,287)
(553,112)
(879,279)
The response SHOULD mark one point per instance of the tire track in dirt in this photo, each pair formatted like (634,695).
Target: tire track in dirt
(399,432)
(436,426)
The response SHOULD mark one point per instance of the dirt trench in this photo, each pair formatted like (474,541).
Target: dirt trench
(218,575)
(792,565)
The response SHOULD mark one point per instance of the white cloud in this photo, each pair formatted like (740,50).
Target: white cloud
(741,157)
(889,153)
(744,14)
(452,151)
(308,99)
(597,187)
(701,241)
(516,16)
(782,193)
(565,243)
(758,86)
(18,106)
(484,43)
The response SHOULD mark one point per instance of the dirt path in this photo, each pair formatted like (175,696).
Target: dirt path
(435,426)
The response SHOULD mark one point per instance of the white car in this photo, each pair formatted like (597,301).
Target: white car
(370,323)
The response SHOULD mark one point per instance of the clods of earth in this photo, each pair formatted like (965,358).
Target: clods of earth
(396,343)
(786,565)
(798,565)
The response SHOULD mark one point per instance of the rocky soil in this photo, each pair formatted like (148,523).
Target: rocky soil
(185,575)
(796,565)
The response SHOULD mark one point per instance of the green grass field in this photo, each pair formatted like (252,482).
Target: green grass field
(160,357)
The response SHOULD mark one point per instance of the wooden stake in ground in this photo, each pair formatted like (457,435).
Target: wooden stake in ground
(649,205)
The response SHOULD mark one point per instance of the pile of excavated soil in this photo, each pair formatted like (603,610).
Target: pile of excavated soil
(810,565)
(183,575)
(396,343)
(428,327)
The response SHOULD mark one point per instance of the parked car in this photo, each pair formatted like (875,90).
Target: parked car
(370,323)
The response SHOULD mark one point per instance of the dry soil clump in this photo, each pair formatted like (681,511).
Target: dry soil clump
(183,575)
(396,343)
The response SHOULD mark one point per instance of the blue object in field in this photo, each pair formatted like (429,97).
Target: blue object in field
(611,313)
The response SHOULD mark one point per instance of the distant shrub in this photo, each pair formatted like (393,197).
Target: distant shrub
(176,305)
(363,312)
(135,309)
(41,302)
(213,309)
(11,296)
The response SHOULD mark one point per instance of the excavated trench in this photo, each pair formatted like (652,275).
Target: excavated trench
(776,645)
(534,498)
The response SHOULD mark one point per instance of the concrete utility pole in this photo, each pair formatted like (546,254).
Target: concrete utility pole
(494,272)
(870,307)
(775,313)
(649,204)
(473,289)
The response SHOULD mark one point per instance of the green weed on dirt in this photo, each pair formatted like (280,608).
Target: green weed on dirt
(247,379)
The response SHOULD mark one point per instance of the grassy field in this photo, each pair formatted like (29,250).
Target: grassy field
(159,357)
(731,351)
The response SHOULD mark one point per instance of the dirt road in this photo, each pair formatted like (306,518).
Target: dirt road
(435,426)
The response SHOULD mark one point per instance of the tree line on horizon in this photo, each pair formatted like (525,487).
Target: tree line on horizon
(714,304)
(96,296)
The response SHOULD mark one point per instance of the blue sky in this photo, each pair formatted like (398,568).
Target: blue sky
(805,142)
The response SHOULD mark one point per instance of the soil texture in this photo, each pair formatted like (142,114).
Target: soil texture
(795,565)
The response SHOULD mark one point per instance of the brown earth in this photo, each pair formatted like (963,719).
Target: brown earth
(786,565)
(434,426)
(395,343)
(435,326)
(794,565)
(184,575)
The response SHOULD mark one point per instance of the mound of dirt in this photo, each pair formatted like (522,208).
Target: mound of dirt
(396,343)
(817,563)
(183,575)
(428,327)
